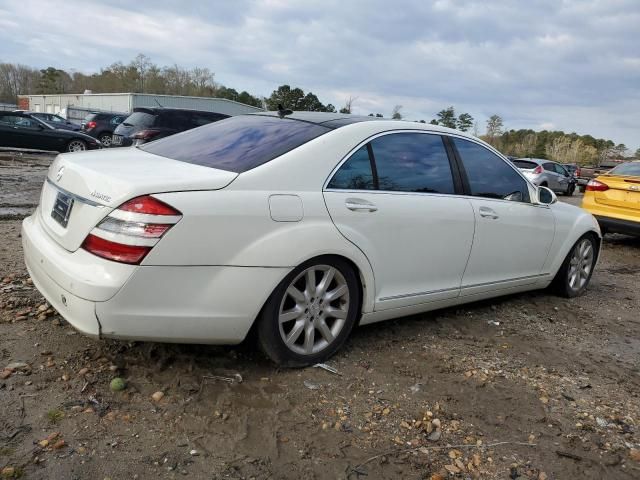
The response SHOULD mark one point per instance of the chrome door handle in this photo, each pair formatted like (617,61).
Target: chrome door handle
(357,205)
(487,212)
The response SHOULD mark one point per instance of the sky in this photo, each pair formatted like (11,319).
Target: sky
(571,65)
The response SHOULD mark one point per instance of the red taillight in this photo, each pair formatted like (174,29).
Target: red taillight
(130,231)
(596,186)
(149,206)
(118,252)
(538,170)
(91,125)
(145,134)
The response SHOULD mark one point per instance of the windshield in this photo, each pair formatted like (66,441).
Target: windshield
(631,168)
(237,144)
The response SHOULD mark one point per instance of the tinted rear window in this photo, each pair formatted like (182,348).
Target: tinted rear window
(525,164)
(237,144)
(140,119)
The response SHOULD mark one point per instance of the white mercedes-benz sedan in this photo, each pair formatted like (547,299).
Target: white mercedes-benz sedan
(299,226)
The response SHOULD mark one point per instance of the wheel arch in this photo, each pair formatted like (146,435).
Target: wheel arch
(365,285)
(570,228)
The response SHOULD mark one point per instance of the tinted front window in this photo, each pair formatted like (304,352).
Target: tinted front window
(489,175)
(237,144)
(412,162)
(355,173)
(140,119)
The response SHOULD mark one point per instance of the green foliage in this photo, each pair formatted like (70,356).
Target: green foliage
(447,118)
(556,145)
(637,154)
(55,415)
(395,113)
(296,99)
(465,122)
(138,76)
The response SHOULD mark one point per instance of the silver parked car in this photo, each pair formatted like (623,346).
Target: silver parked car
(545,173)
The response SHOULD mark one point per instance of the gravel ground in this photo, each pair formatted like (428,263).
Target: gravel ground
(525,386)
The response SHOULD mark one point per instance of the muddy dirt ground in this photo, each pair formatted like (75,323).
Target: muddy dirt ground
(530,386)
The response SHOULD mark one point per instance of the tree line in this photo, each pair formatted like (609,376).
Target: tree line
(141,75)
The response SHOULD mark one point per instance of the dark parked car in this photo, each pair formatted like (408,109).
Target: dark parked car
(55,121)
(22,130)
(147,124)
(101,125)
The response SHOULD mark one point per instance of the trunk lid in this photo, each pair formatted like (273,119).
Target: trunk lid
(624,191)
(85,187)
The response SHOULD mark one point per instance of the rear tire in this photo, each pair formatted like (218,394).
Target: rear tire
(575,273)
(310,314)
(105,139)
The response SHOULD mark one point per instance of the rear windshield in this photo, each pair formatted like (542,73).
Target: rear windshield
(237,144)
(90,117)
(525,164)
(627,169)
(140,119)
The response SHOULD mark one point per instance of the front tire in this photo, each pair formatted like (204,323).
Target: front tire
(76,145)
(311,313)
(575,273)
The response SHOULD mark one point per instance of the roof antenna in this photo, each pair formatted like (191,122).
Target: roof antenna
(283,112)
(156,100)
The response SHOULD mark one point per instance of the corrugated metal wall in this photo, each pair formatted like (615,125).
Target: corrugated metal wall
(218,105)
(125,102)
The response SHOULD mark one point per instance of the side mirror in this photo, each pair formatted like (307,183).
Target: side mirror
(546,196)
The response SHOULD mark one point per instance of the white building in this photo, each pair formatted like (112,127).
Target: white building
(126,102)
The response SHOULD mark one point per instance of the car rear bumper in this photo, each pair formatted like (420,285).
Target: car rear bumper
(77,311)
(616,225)
(181,304)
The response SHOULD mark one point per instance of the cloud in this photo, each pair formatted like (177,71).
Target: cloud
(572,64)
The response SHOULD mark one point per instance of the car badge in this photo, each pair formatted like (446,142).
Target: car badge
(59,174)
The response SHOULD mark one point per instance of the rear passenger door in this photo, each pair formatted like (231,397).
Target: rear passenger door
(512,235)
(563,177)
(396,198)
(552,175)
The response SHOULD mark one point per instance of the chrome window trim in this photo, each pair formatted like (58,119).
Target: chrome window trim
(532,188)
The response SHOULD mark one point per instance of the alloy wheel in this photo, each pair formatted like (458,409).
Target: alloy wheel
(580,264)
(314,309)
(76,146)
(105,140)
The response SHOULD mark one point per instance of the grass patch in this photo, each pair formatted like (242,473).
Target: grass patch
(55,415)
(6,451)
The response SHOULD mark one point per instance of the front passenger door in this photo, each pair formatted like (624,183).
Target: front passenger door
(396,200)
(513,235)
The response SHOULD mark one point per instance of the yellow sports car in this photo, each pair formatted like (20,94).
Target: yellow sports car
(614,199)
